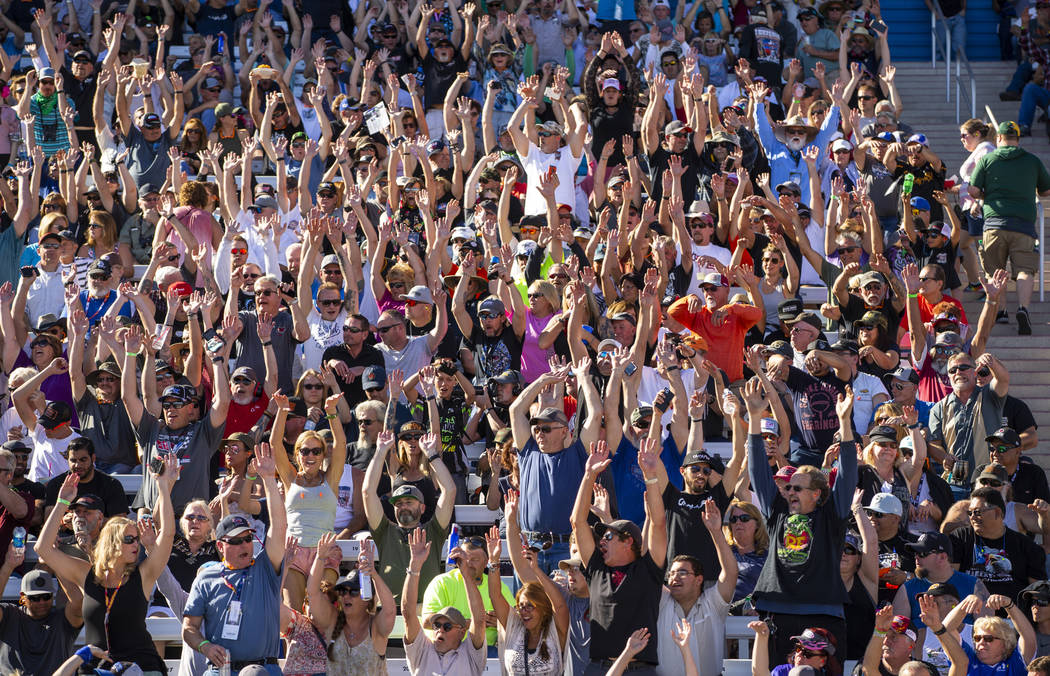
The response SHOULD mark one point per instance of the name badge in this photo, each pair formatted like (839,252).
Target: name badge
(231,629)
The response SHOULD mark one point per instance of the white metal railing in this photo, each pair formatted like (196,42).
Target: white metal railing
(960,62)
(1041,244)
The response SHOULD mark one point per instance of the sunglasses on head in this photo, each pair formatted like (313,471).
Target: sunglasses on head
(740,518)
(239,540)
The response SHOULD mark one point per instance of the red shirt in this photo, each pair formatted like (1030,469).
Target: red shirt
(726,342)
(242,417)
(926,310)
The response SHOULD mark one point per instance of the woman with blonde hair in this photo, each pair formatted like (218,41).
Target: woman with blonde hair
(311,488)
(884,468)
(313,387)
(391,284)
(779,280)
(543,323)
(745,531)
(997,647)
(116,587)
(102,239)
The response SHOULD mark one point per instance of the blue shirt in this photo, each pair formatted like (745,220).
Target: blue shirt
(549,483)
(963,582)
(258,588)
(629,482)
(96,308)
(784,165)
(1011,666)
(10,251)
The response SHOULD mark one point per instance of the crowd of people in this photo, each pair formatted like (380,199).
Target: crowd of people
(291,292)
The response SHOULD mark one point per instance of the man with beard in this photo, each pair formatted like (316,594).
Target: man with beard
(369,417)
(36,637)
(351,358)
(969,412)
(104,488)
(85,521)
(784,147)
(194,440)
(392,538)
(495,341)
(96,300)
(103,418)
(137,231)
(249,398)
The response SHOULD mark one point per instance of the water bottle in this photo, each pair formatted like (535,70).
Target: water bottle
(908,184)
(728,405)
(310,424)
(224,670)
(453,542)
(18,539)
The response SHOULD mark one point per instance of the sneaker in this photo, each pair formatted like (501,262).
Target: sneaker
(1024,324)
(1009,96)
(1003,317)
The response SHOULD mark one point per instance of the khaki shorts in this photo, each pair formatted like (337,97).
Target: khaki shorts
(1001,246)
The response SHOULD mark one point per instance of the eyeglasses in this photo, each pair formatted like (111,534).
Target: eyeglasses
(195,517)
(984,638)
(130,539)
(241,540)
(311,450)
(961,367)
(845,249)
(385,329)
(168,405)
(330,302)
(239,252)
(993,483)
(444,626)
(740,518)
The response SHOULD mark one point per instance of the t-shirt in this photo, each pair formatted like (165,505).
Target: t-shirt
(148,162)
(11,246)
(194,445)
(103,486)
(962,582)
(34,646)
(250,352)
(368,356)
(257,588)
(108,427)
(760,45)
(549,483)
(707,643)
(1005,565)
(726,341)
(392,543)
(449,589)
(578,641)
(1011,666)
(438,77)
(48,458)
(493,354)
(537,163)
(628,479)
(465,660)
(813,401)
(242,417)
(623,600)
(686,533)
(1029,482)
(660,160)
(894,554)
(413,356)
(1010,176)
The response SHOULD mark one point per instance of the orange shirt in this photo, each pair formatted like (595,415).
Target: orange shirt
(725,342)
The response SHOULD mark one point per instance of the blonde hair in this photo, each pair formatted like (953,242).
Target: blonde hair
(110,546)
(314,373)
(109,229)
(549,291)
(761,535)
(306,436)
(203,504)
(997,626)
(868,455)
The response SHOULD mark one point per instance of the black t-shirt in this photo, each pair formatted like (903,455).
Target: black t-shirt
(813,402)
(102,486)
(624,599)
(1016,414)
(608,126)
(944,256)
(856,308)
(38,491)
(368,356)
(893,554)
(1029,482)
(438,77)
(660,160)
(493,354)
(926,181)
(1004,564)
(686,533)
(34,646)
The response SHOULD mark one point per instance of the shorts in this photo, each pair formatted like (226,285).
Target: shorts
(1001,246)
(303,559)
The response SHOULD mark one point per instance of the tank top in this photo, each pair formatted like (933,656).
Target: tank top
(127,621)
(533,358)
(516,654)
(361,659)
(230,144)
(860,620)
(311,512)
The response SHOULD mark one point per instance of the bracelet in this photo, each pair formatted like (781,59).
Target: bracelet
(913,295)
(1012,604)
(696,420)
(941,631)
(268,342)
(674,368)
(331,416)
(280,159)
(652,481)
(60,91)
(879,632)
(430,397)
(629,157)
(915,426)
(178,91)
(217,360)
(63,501)
(201,644)
(411,572)
(432,458)
(133,354)
(251,477)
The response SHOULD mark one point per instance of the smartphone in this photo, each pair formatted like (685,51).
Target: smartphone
(629,369)
(28,271)
(222,44)
(156,466)
(984,372)
(878,26)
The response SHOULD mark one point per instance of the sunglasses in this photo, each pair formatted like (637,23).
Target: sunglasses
(795,488)
(39,598)
(611,535)
(1042,603)
(806,652)
(348,591)
(993,483)
(544,429)
(866,97)
(240,252)
(956,369)
(326,195)
(195,517)
(240,540)
(241,380)
(850,551)
(130,539)
(385,329)
(444,626)
(49,246)
(410,436)
(977,512)
(168,405)
(984,638)
(740,518)
(353,329)
(695,469)
(845,250)
(1001,450)
(873,514)
(366,422)
(313,386)
(40,343)
(544,134)
(311,450)
(330,302)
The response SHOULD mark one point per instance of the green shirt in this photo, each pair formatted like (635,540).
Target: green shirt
(1010,177)
(394,554)
(448,589)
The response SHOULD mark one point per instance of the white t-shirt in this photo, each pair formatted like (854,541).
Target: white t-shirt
(707,641)
(48,458)
(323,335)
(650,385)
(536,164)
(466,660)
(414,356)
(719,253)
(866,387)
(514,658)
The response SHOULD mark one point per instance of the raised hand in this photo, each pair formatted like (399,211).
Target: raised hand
(598,460)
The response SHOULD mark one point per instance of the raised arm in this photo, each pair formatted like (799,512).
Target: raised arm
(597,462)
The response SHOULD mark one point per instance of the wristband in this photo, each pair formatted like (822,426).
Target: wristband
(63,501)
(429,397)
(251,477)
(432,458)
(1012,604)
(915,426)
(177,91)
(411,572)
(201,644)
(696,420)
(60,91)
(674,368)
(487,410)
(84,653)
(879,632)
(268,342)
(652,481)
(941,631)
(913,295)
(133,354)
(218,360)
(331,416)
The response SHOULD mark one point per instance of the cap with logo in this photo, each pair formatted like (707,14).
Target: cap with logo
(232,526)
(930,542)
(55,413)
(373,377)
(405,491)
(1006,435)
(701,456)
(38,582)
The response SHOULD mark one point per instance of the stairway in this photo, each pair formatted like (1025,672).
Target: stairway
(909,36)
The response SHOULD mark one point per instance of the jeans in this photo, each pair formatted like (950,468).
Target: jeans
(1034,96)
(1021,76)
(549,558)
(271,669)
(113,467)
(957,25)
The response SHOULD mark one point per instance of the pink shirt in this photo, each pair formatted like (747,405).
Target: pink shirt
(533,359)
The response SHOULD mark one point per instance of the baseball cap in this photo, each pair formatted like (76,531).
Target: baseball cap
(621,526)
(883,433)
(264,202)
(569,564)
(1006,435)
(151,121)
(993,472)
(223,109)
(492,306)
(931,542)
(410,426)
(550,415)
(448,612)
(609,344)
(55,413)
(841,144)
(789,308)
(420,294)
(181,393)
(45,74)
(920,203)
(245,372)
(641,413)
(811,640)
(90,501)
(886,503)
(948,589)
(373,377)
(789,186)
(698,456)
(1009,128)
(676,126)
(785,473)
(845,345)
(36,582)
(241,438)
(714,279)
(611,83)
(405,491)
(769,426)
(904,373)
(508,377)
(232,525)
(920,138)
(810,318)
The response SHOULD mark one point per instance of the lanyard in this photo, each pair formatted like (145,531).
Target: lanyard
(109,606)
